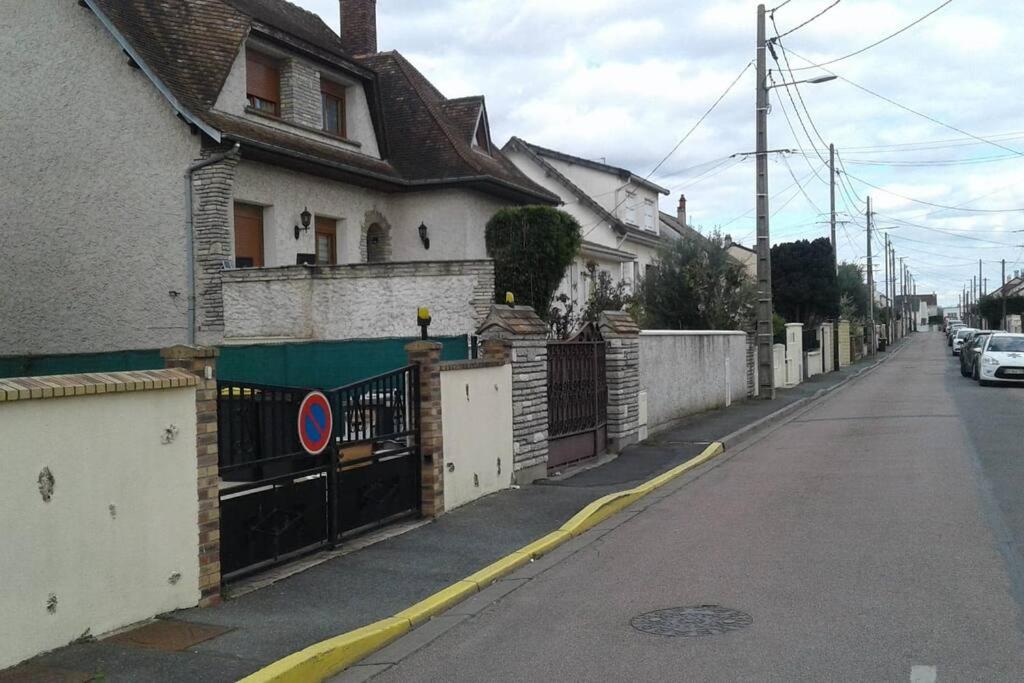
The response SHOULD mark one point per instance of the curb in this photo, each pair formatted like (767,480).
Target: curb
(331,656)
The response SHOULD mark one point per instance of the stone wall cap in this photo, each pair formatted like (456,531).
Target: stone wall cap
(520,321)
(618,323)
(58,386)
(185,352)
(690,333)
(422,345)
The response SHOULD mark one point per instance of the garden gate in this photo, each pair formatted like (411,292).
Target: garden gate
(577,398)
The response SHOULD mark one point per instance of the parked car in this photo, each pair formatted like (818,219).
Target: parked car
(951,330)
(970,350)
(1001,360)
(958,338)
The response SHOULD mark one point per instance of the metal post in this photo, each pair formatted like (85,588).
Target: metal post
(766,367)
(1002,294)
(871,287)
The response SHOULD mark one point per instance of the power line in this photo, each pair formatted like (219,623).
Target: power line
(800,26)
(876,43)
(908,109)
(926,203)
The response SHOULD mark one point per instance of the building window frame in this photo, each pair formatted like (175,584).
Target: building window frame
(263,82)
(332,99)
(326,229)
(253,258)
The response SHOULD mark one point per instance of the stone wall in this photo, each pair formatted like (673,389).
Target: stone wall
(357,301)
(622,373)
(212,220)
(300,94)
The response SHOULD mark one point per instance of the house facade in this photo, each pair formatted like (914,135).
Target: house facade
(618,211)
(210,171)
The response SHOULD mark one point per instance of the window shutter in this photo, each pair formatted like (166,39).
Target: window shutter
(262,77)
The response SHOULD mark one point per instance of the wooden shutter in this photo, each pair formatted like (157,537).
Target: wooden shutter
(248,236)
(326,241)
(262,77)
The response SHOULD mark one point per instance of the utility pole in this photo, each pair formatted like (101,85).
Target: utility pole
(1002,293)
(835,249)
(871,287)
(917,302)
(903,297)
(888,301)
(765,361)
(974,300)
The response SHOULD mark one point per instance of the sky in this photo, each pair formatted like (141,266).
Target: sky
(625,83)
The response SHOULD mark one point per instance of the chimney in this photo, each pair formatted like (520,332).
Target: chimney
(359,26)
(727,241)
(681,211)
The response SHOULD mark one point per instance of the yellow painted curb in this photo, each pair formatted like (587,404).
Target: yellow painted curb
(438,602)
(494,571)
(327,658)
(331,656)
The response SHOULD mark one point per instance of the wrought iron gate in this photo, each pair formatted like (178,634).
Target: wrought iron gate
(277,501)
(577,399)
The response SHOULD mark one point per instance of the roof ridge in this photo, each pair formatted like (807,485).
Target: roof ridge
(404,65)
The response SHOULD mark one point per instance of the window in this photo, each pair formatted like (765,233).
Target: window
(631,208)
(332,100)
(248,236)
(326,241)
(262,83)
(649,215)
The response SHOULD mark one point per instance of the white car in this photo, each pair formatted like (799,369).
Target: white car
(1001,359)
(959,337)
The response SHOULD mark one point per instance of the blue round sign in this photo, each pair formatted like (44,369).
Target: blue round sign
(316,423)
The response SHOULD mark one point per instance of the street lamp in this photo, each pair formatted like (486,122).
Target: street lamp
(766,367)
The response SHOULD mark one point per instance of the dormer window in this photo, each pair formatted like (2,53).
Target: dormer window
(480,141)
(332,100)
(263,83)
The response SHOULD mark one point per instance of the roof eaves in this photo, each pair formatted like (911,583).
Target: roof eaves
(623,173)
(527,148)
(337,60)
(182,110)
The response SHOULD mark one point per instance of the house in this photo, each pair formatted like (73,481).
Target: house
(746,256)
(618,211)
(167,165)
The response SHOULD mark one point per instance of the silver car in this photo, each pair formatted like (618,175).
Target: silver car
(1001,360)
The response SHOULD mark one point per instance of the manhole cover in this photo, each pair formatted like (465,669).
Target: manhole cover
(690,622)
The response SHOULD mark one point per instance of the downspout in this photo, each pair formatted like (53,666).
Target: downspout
(190,252)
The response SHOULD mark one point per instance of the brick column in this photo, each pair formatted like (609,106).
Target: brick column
(622,373)
(526,334)
(499,350)
(203,363)
(427,355)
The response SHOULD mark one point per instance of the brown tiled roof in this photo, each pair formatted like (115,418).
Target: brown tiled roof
(189,46)
(618,324)
(518,321)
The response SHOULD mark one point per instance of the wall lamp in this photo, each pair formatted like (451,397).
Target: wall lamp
(424,237)
(305,217)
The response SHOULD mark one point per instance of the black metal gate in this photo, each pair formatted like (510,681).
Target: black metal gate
(577,399)
(278,502)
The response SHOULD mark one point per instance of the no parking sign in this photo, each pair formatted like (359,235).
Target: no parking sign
(316,423)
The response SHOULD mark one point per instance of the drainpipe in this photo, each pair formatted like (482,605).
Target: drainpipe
(190,252)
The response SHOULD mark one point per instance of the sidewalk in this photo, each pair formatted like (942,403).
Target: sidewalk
(354,589)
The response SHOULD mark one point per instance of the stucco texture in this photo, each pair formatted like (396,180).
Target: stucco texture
(685,373)
(117,542)
(92,163)
(476,421)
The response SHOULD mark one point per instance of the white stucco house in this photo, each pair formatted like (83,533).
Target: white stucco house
(623,229)
(166,167)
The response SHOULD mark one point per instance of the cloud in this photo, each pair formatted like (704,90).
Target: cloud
(624,82)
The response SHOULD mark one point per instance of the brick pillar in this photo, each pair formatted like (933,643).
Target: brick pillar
(622,373)
(525,335)
(203,362)
(427,355)
(499,350)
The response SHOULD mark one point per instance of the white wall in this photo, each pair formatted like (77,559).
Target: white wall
(370,301)
(476,422)
(455,220)
(92,164)
(118,541)
(687,372)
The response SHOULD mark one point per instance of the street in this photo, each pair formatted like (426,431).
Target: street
(873,538)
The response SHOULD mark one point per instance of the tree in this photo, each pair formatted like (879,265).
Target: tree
(694,284)
(607,295)
(853,292)
(531,247)
(804,283)
(992,309)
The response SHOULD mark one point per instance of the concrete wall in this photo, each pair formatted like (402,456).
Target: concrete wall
(476,419)
(794,354)
(365,301)
(845,350)
(117,542)
(778,365)
(812,363)
(92,163)
(687,372)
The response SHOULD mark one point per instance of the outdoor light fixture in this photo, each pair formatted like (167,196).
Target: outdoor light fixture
(510,299)
(423,320)
(306,217)
(424,237)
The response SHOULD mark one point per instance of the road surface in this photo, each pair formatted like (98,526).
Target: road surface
(873,538)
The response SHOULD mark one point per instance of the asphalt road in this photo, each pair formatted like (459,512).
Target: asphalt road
(873,538)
